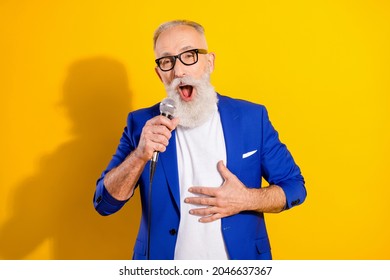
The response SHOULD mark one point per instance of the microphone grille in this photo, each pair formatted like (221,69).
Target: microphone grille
(167,107)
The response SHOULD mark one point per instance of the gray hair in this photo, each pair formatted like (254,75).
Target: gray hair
(173,23)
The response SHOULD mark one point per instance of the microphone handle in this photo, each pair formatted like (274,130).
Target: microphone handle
(169,116)
(153,164)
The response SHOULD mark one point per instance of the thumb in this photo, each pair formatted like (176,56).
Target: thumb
(222,169)
(175,122)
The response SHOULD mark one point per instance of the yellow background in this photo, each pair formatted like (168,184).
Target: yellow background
(71,70)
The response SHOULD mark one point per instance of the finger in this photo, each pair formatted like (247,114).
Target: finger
(159,139)
(222,169)
(211,218)
(152,130)
(203,211)
(209,191)
(209,201)
(154,141)
(175,122)
(159,120)
(158,147)
(164,121)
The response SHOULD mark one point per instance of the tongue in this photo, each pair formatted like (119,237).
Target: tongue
(186,91)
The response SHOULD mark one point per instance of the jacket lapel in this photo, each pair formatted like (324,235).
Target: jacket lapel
(168,160)
(230,119)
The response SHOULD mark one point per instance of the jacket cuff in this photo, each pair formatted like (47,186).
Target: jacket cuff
(104,202)
(294,191)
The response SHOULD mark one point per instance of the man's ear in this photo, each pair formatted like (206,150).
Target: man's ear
(158,74)
(211,61)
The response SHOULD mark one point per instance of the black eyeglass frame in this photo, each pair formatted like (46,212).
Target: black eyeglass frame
(175,57)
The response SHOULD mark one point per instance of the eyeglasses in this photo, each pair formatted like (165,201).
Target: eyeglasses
(188,58)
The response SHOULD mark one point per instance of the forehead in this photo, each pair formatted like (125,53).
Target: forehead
(177,39)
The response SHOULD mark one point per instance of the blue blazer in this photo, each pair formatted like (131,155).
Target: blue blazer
(246,128)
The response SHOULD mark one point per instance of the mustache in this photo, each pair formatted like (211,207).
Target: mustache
(186,80)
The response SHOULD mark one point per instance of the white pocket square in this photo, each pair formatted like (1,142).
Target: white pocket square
(248,154)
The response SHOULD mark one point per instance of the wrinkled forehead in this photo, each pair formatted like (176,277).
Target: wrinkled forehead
(177,39)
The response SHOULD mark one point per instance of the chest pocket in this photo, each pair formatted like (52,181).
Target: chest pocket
(251,169)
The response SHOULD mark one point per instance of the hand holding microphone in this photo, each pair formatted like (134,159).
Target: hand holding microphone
(167,109)
(157,132)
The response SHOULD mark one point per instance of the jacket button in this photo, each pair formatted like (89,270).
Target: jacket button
(172,231)
(295,202)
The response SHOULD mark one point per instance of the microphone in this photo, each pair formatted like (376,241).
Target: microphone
(167,109)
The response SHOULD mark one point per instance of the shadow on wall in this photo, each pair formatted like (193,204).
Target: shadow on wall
(56,203)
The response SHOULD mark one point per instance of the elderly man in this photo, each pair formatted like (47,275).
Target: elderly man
(207,200)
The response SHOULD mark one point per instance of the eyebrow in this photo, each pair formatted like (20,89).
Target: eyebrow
(181,50)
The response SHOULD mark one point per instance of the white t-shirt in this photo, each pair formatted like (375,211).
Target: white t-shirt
(198,152)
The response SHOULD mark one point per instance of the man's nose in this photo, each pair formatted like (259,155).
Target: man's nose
(179,69)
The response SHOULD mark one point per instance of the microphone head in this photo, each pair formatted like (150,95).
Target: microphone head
(167,108)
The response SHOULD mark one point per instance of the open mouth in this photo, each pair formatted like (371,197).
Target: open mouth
(186,92)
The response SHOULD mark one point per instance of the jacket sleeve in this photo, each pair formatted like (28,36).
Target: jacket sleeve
(103,202)
(279,167)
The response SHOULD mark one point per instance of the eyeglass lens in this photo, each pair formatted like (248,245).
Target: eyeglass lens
(187,58)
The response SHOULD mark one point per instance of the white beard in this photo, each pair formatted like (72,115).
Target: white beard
(195,112)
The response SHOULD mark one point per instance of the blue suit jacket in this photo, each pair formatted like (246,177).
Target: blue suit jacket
(246,128)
